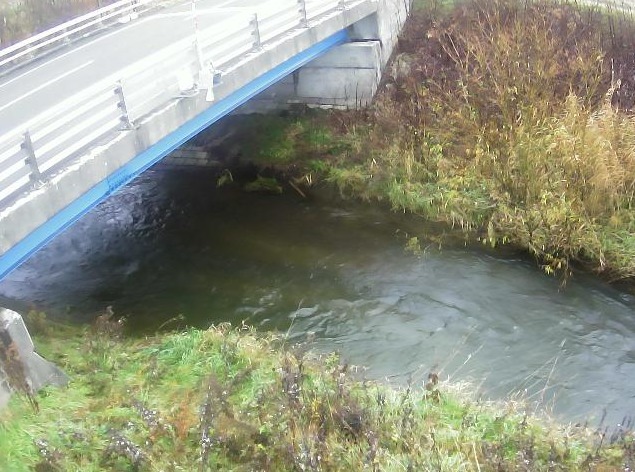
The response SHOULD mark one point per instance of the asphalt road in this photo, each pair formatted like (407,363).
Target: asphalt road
(43,83)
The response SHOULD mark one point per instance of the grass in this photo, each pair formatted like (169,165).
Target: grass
(519,127)
(513,124)
(231,399)
(24,18)
(511,121)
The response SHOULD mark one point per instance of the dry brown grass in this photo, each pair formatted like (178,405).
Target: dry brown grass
(513,119)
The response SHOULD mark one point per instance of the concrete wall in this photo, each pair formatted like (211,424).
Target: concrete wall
(347,76)
(384,25)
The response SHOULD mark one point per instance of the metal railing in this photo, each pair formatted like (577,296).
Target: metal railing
(119,11)
(33,152)
(315,8)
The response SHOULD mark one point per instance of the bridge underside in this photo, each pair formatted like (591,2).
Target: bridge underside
(36,218)
(84,203)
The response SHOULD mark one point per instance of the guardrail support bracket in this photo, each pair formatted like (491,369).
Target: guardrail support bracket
(256,31)
(31,160)
(302,9)
(121,104)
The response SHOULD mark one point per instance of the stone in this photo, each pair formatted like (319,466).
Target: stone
(21,368)
(401,67)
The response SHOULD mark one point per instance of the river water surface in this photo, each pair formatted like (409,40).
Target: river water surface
(172,244)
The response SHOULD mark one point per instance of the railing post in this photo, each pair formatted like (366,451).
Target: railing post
(197,37)
(255,31)
(67,38)
(31,160)
(121,104)
(101,22)
(302,9)
(133,13)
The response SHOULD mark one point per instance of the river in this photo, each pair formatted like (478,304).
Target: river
(171,246)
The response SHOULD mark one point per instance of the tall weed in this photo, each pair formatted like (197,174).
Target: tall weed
(513,119)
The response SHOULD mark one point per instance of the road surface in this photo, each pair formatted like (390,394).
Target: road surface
(35,87)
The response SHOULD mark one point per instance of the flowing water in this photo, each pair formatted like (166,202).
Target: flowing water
(172,245)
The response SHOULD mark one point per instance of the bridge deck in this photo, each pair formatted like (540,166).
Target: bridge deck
(79,123)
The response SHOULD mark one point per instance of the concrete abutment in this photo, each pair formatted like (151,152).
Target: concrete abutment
(346,76)
(336,61)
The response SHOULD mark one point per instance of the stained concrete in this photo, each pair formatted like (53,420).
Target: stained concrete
(347,76)
(18,346)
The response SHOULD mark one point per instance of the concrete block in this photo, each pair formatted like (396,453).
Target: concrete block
(391,15)
(366,28)
(17,348)
(281,90)
(263,106)
(190,156)
(358,55)
(350,86)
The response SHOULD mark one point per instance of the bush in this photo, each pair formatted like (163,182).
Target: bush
(513,119)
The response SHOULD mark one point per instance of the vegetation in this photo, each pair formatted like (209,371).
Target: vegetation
(515,120)
(511,121)
(23,18)
(228,399)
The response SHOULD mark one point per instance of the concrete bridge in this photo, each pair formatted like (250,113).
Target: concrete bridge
(89,105)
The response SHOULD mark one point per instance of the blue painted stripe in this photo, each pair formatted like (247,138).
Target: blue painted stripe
(66,217)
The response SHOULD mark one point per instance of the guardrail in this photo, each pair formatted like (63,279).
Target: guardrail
(32,153)
(119,11)
(315,8)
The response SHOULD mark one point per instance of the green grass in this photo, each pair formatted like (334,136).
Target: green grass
(514,125)
(518,133)
(281,142)
(231,399)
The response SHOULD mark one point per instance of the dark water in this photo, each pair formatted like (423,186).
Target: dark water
(172,244)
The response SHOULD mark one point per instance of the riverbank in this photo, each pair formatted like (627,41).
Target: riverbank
(22,19)
(231,399)
(511,122)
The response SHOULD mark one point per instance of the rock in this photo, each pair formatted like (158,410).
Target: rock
(401,67)
(21,368)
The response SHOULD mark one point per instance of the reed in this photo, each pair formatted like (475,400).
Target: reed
(513,121)
(231,399)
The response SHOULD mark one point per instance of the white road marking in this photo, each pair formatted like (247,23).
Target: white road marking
(106,36)
(91,43)
(119,30)
(61,56)
(215,5)
(172,15)
(187,14)
(213,11)
(46,84)
(35,68)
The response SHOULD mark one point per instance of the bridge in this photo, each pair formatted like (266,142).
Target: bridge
(89,105)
